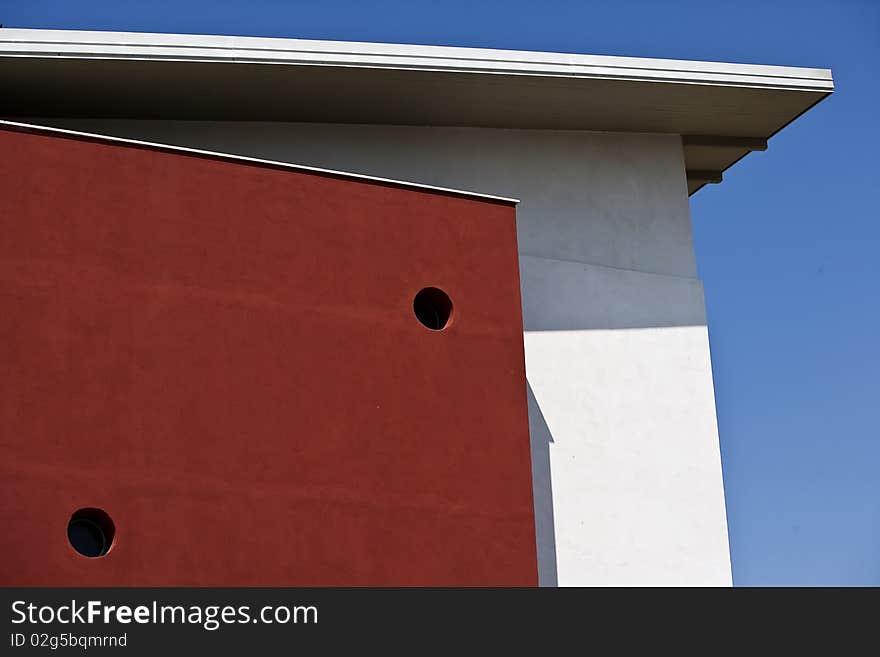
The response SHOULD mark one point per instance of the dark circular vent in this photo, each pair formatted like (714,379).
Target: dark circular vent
(90,532)
(433,308)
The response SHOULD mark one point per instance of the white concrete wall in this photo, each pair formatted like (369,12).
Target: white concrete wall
(627,470)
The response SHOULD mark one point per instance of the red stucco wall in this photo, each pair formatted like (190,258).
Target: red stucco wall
(224,357)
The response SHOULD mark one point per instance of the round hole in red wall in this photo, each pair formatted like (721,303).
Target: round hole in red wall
(433,308)
(90,532)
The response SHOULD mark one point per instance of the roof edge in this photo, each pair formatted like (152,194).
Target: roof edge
(260,50)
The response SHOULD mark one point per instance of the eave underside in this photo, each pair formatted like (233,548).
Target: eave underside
(719,122)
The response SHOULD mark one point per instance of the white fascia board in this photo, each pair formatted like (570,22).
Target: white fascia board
(187,47)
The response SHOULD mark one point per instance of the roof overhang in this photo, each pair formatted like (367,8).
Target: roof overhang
(722,111)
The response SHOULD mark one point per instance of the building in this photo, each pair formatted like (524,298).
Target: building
(602,154)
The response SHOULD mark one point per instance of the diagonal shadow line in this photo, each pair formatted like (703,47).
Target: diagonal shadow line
(545,533)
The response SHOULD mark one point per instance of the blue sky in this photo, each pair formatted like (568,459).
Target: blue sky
(787,246)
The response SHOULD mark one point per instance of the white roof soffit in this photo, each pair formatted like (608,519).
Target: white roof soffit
(722,111)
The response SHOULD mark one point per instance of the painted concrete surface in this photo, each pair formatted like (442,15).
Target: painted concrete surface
(625,457)
(601,198)
(177,353)
(622,423)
